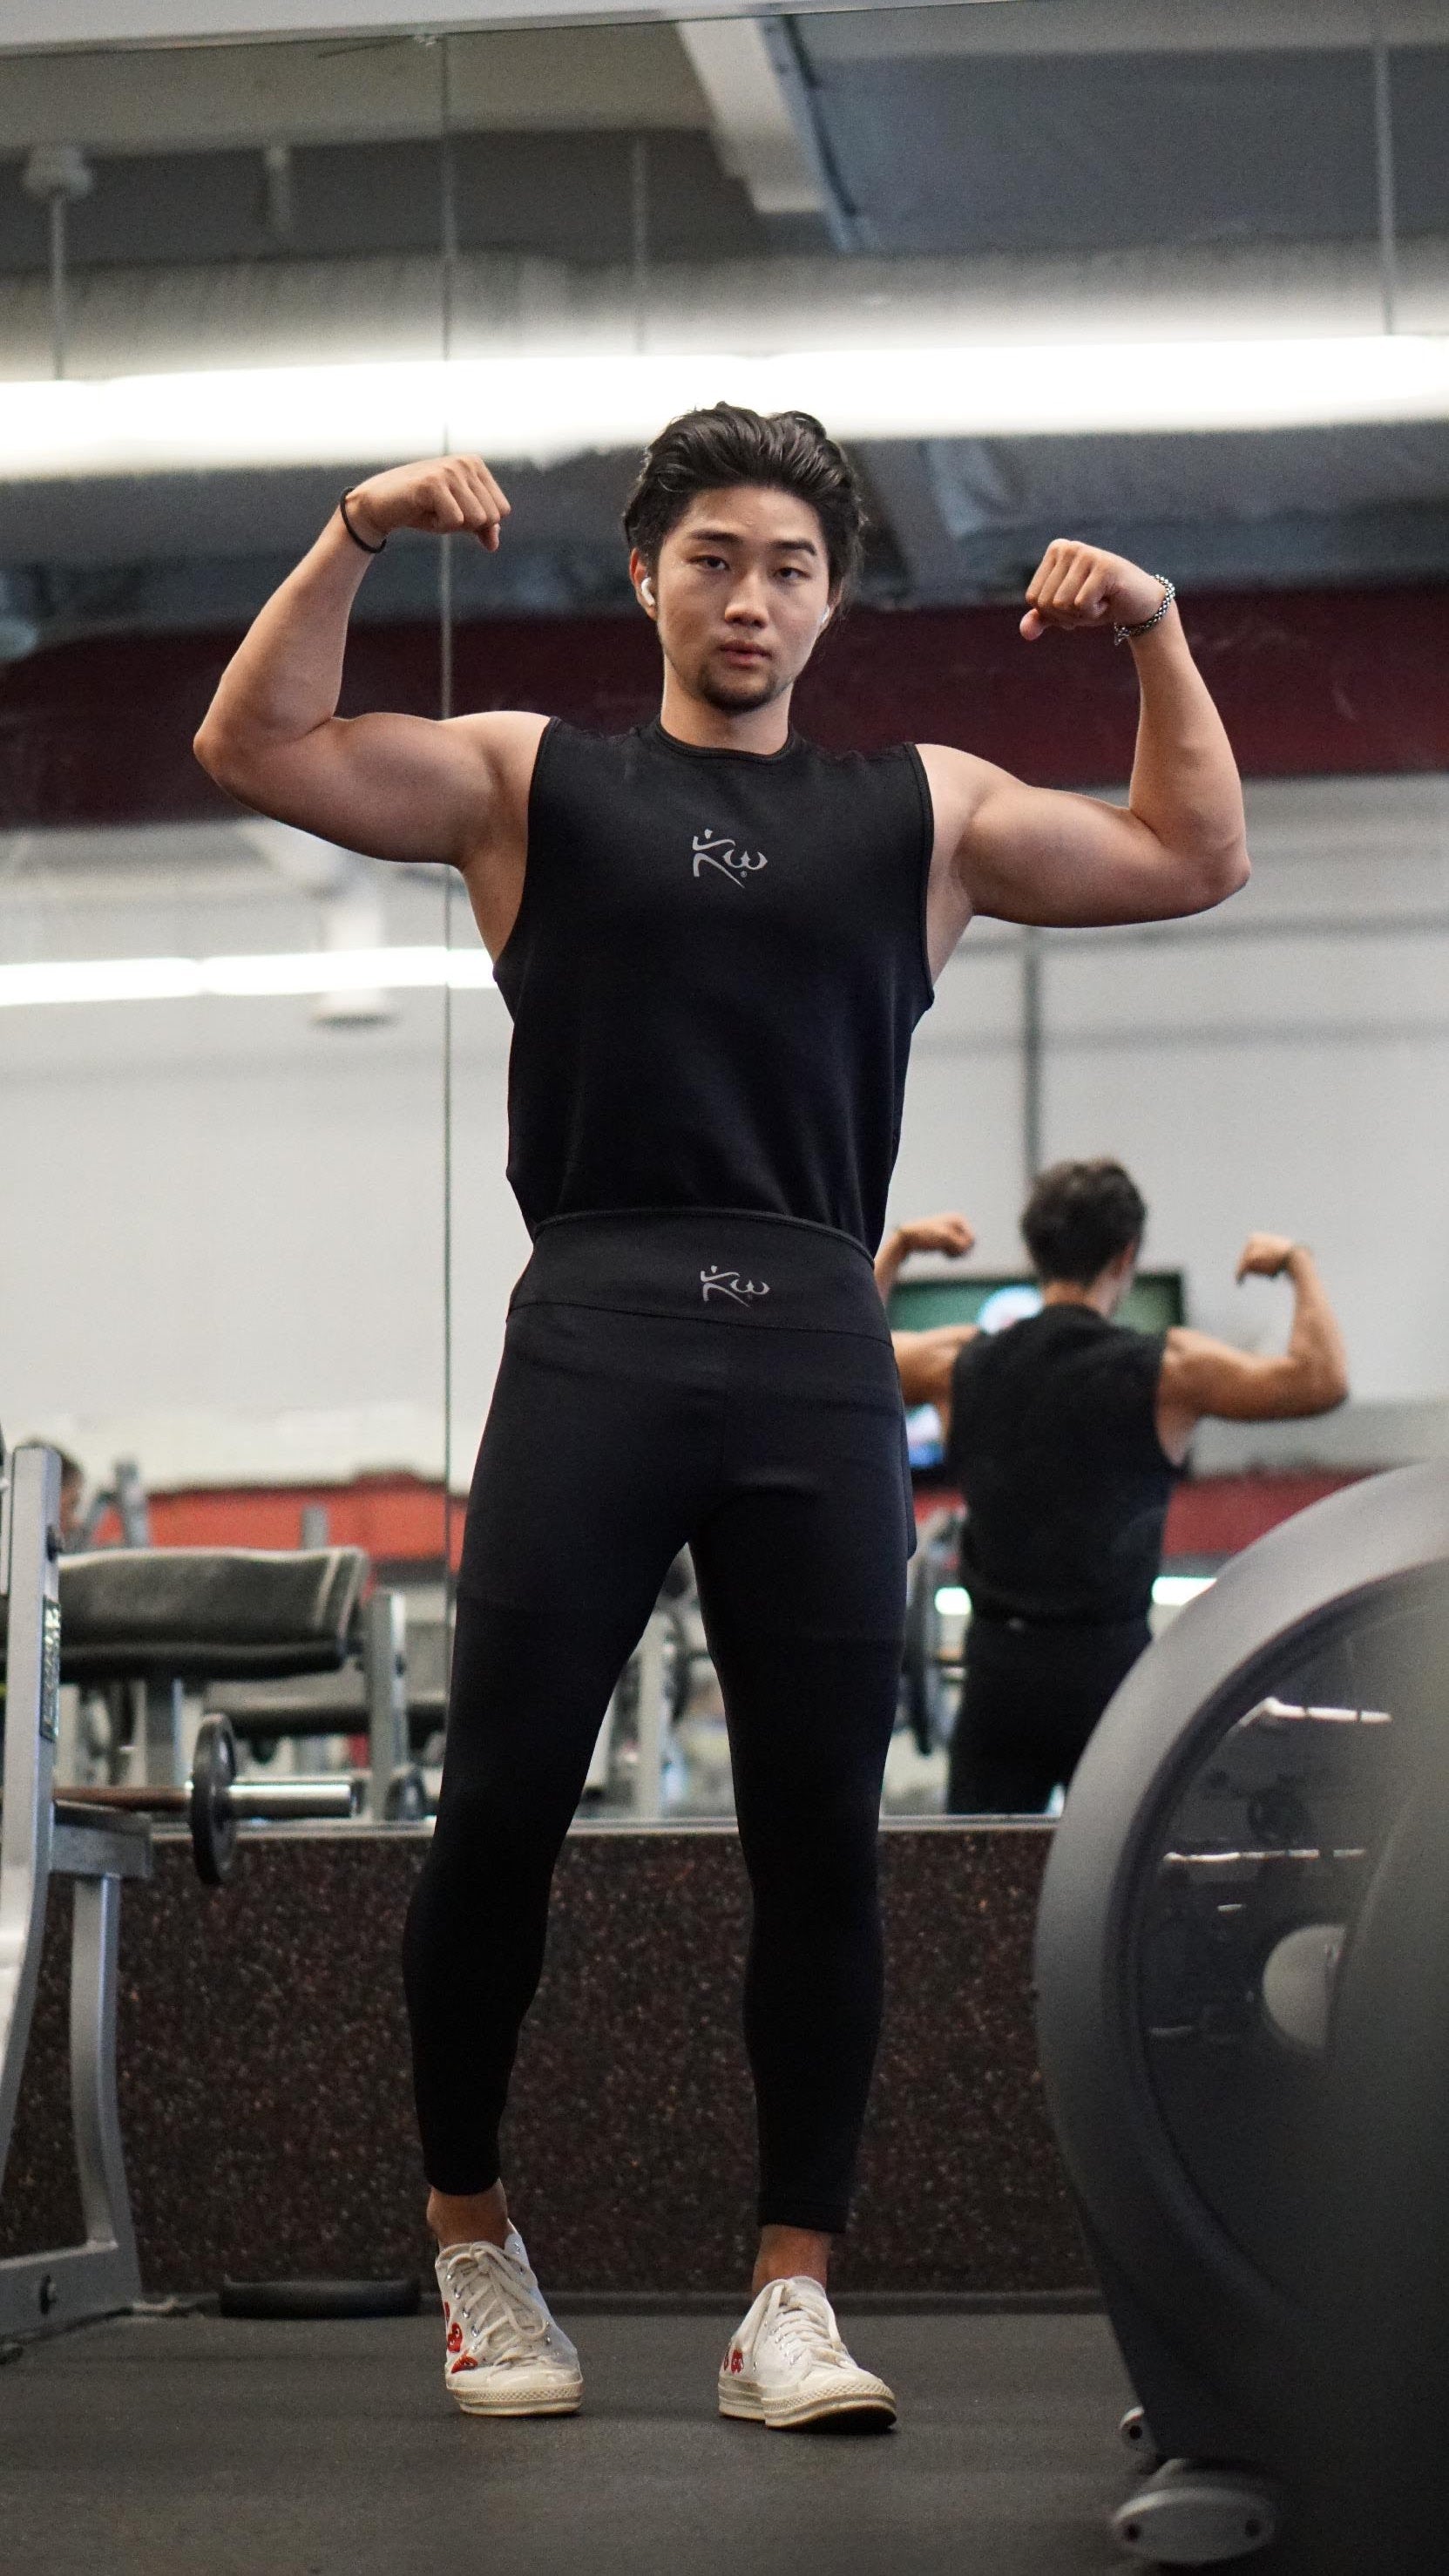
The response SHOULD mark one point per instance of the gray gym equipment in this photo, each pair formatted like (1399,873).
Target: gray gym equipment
(1243,1979)
(127,1498)
(159,1616)
(390,1683)
(631,1753)
(930,1675)
(97,1850)
(162,1622)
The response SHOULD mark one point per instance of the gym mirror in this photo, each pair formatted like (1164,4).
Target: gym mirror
(261,1241)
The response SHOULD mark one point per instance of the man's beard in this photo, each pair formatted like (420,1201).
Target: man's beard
(739,692)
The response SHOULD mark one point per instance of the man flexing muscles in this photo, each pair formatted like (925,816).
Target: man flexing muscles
(714,941)
(1064,1435)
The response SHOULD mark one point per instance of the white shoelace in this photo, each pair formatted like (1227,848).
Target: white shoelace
(495,2306)
(805,2327)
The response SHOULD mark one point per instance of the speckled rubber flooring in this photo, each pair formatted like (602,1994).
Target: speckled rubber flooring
(140,2448)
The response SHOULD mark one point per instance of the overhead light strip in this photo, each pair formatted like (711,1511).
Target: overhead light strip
(550,406)
(189,979)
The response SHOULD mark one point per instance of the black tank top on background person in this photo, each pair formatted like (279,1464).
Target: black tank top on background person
(1054,1447)
(716,970)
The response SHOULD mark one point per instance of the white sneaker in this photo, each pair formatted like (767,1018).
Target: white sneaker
(505,2355)
(787,2365)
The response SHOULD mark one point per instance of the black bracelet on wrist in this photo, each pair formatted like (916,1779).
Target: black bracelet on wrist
(352,532)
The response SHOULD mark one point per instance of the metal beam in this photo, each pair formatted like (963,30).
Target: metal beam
(800,87)
(47,25)
(901,478)
(767,125)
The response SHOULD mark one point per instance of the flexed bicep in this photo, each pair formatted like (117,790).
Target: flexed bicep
(391,786)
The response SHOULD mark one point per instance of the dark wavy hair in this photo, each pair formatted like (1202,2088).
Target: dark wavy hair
(787,451)
(1079,1217)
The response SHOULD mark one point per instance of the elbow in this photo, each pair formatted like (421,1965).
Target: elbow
(1336,1391)
(1324,1392)
(209,747)
(1221,874)
(222,758)
(1236,872)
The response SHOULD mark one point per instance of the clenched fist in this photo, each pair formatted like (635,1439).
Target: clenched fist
(1077,585)
(444,495)
(1266,1256)
(937,1234)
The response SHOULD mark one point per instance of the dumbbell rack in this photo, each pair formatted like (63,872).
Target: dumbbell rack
(38,1841)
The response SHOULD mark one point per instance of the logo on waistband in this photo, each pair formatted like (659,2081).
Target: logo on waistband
(717,850)
(728,1283)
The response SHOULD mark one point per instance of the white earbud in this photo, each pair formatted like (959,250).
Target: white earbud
(646,591)
(825,620)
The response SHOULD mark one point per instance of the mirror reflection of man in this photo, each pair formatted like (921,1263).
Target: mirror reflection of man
(1065,1434)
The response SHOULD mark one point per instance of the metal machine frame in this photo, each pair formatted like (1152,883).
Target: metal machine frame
(38,1842)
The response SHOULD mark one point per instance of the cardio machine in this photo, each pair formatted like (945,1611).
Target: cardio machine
(1243,2003)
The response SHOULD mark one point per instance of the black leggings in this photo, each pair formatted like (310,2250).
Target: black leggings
(726,1383)
(1030,1699)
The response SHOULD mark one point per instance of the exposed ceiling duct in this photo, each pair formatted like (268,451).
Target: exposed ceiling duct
(172,318)
(921,195)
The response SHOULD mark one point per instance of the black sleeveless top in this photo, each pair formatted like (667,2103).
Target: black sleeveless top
(1054,1446)
(717,965)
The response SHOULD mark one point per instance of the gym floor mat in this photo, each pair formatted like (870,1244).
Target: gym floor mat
(233,2448)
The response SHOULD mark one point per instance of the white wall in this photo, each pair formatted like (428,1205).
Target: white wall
(222,1234)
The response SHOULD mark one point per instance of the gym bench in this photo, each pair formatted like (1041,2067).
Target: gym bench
(160,1618)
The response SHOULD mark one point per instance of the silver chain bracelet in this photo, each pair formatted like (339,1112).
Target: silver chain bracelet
(1125,634)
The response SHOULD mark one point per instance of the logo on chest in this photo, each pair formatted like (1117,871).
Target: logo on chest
(717,850)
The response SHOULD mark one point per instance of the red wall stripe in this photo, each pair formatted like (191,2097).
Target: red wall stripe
(1310,682)
(399,1518)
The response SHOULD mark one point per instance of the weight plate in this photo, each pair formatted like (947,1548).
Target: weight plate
(213,1826)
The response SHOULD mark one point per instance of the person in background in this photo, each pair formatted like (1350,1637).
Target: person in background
(1065,1433)
(72,1502)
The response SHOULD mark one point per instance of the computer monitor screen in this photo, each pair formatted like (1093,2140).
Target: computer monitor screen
(1153,1304)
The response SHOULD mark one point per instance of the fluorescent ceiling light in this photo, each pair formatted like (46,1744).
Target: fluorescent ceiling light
(183,979)
(549,406)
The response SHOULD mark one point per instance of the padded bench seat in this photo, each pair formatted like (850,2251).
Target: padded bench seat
(202,1614)
(336,1703)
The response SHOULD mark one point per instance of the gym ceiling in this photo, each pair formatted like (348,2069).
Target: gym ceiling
(818,180)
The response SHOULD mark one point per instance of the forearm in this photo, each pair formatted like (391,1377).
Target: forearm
(1315,1344)
(926,1363)
(285,677)
(1185,783)
(888,1261)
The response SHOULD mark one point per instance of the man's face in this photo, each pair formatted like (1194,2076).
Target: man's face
(741,590)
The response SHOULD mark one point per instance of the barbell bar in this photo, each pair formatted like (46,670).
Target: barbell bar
(214,1801)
